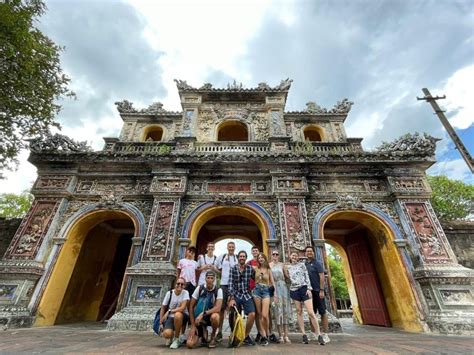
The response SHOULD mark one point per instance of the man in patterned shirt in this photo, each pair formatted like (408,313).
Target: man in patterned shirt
(239,293)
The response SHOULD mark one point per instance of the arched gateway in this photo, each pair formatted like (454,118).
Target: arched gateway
(248,221)
(107,227)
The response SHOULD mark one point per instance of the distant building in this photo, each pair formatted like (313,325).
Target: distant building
(103,236)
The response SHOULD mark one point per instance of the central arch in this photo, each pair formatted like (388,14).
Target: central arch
(247,211)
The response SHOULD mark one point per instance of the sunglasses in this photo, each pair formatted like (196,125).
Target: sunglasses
(275,254)
(179,284)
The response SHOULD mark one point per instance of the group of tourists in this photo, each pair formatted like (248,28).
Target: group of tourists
(260,288)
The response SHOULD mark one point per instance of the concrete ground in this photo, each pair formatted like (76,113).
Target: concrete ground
(94,339)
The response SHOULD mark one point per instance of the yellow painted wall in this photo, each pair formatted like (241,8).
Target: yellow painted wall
(398,294)
(54,293)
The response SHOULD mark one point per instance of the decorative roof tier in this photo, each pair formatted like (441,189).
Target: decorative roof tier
(312,108)
(156,108)
(234,87)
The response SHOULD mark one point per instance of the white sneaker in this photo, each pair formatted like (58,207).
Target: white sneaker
(182,339)
(175,344)
(313,336)
(168,341)
(326,338)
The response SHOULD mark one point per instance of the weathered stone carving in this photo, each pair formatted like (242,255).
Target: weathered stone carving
(407,184)
(57,143)
(457,296)
(341,107)
(33,228)
(229,187)
(411,143)
(206,86)
(428,239)
(110,200)
(263,86)
(7,291)
(235,86)
(183,85)
(159,237)
(226,200)
(295,233)
(284,84)
(167,185)
(122,186)
(125,106)
(50,182)
(148,294)
(348,201)
(156,107)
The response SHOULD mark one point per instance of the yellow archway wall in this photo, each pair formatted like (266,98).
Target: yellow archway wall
(314,128)
(349,281)
(241,211)
(58,282)
(152,128)
(396,288)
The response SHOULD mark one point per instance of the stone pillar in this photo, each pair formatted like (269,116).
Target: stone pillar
(445,285)
(23,263)
(148,281)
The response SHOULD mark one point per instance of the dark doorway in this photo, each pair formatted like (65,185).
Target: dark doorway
(95,283)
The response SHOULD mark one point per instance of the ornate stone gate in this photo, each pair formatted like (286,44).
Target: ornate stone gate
(236,151)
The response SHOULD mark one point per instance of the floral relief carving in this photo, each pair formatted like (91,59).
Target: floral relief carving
(429,241)
(99,186)
(159,236)
(457,296)
(49,182)
(32,229)
(294,228)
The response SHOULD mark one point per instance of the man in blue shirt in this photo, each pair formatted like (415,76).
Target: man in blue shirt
(316,276)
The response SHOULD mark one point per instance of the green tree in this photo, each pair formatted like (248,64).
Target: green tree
(451,199)
(31,79)
(338,280)
(15,206)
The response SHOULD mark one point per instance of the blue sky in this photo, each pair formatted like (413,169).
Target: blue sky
(379,54)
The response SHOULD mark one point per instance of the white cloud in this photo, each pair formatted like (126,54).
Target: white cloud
(459,102)
(456,169)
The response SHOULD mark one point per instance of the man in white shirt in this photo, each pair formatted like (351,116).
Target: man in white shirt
(224,264)
(204,310)
(207,262)
(187,269)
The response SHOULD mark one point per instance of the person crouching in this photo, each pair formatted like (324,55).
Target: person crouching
(206,304)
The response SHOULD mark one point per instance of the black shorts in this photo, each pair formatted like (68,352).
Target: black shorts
(319,305)
(205,322)
(169,322)
(225,296)
(190,288)
(300,294)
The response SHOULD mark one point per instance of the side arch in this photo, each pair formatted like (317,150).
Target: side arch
(393,264)
(52,286)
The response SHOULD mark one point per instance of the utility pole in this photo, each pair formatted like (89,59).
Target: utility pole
(452,133)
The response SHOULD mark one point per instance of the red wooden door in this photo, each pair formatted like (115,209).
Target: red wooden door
(367,286)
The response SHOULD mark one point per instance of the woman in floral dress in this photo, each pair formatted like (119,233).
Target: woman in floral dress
(281,307)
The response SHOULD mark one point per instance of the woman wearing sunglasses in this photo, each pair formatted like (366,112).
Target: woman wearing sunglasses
(281,306)
(174,313)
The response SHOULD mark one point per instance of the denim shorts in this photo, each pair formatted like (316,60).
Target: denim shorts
(247,305)
(261,291)
(300,294)
(169,322)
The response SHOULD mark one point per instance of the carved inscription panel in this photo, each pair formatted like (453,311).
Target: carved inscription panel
(54,183)
(294,227)
(229,187)
(32,230)
(160,231)
(427,236)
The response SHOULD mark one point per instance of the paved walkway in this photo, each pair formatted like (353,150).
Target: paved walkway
(357,340)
